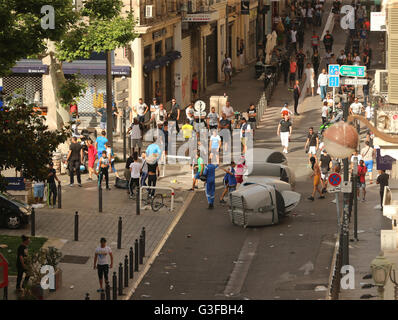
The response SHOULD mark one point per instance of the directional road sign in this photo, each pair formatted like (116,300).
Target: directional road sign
(334,69)
(354,82)
(334,81)
(334,179)
(334,189)
(352,71)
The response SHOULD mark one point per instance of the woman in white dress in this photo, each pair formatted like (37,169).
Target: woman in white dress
(310,78)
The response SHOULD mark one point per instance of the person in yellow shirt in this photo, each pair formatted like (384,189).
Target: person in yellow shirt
(187,129)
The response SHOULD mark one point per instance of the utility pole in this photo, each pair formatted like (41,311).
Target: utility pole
(109,117)
(344,234)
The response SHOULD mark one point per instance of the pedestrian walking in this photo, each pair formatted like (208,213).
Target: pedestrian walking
(286,111)
(187,129)
(328,41)
(361,179)
(285,65)
(190,111)
(316,175)
(226,67)
(368,154)
(135,173)
(103,114)
(365,89)
(314,41)
(164,140)
(144,170)
(75,158)
(136,131)
(92,155)
(214,146)
(292,70)
(310,79)
(38,191)
(210,173)
(382,180)
(284,131)
(325,112)
(296,96)
(73,112)
(230,179)
(100,143)
(316,60)
(356,108)
(245,132)
(129,161)
(293,39)
(111,156)
(300,57)
(325,164)
(104,169)
(225,130)
(300,37)
(22,268)
(252,114)
(198,169)
(153,108)
(322,83)
(312,143)
(52,187)
(160,116)
(153,173)
(101,263)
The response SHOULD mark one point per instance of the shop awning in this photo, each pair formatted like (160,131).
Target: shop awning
(162,61)
(34,68)
(95,69)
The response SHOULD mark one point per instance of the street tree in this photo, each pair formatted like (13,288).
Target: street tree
(26,143)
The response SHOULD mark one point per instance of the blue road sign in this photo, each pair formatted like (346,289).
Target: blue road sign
(334,81)
(334,69)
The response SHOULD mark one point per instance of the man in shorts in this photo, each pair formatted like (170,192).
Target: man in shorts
(215,145)
(325,164)
(200,167)
(136,129)
(312,143)
(361,179)
(227,69)
(101,263)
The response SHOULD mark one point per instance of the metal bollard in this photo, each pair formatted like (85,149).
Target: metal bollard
(107,292)
(5,295)
(120,293)
(99,198)
(119,233)
(114,286)
(33,223)
(141,244)
(136,253)
(102,297)
(131,266)
(87,296)
(76,226)
(59,196)
(138,201)
(143,232)
(126,271)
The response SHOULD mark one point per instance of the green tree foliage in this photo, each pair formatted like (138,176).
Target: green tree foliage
(26,143)
(71,90)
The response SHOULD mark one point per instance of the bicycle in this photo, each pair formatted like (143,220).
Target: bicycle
(157,202)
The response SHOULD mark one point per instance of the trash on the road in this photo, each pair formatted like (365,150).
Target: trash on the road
(205,259)
(145,296)
(281,234)
(9,250)
(188,235)
(271,246)
(320,288)
(38,205)
(183,293)
(300,234)
(312,214)
(171,287)
(289,225)
(277,297)
(238,261)
(147,283)
(71,287)
(361,231)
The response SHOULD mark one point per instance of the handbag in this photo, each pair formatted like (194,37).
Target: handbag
(318,91)
(307,148)
(203,178)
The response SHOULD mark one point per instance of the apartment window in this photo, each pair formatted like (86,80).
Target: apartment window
(169,44)
(158,49)
(159,7)
(148,53)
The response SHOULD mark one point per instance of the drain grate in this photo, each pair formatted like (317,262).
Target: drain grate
(74,259)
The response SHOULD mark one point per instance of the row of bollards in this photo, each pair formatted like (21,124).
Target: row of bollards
(120,279)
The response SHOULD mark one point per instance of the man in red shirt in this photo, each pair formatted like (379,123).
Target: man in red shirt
(367,25)
(74,114)
(315,41)
(361,179)
(292,69)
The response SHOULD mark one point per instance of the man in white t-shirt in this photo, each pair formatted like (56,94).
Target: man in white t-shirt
(325,110)
(140,109)
(101,262)
(190,111)
(229,111)
(356,108)
(136,135)
(135,170)
(215,145)
(160,116)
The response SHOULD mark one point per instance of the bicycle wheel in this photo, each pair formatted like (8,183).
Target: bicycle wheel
(157,202)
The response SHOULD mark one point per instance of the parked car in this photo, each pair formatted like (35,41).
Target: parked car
(13,213)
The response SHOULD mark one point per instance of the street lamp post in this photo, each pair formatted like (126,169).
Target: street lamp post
(381,269)
(355,191)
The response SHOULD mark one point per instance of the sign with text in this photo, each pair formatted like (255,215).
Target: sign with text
(201,17)
(352,71)
(378,21)
(354,82)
